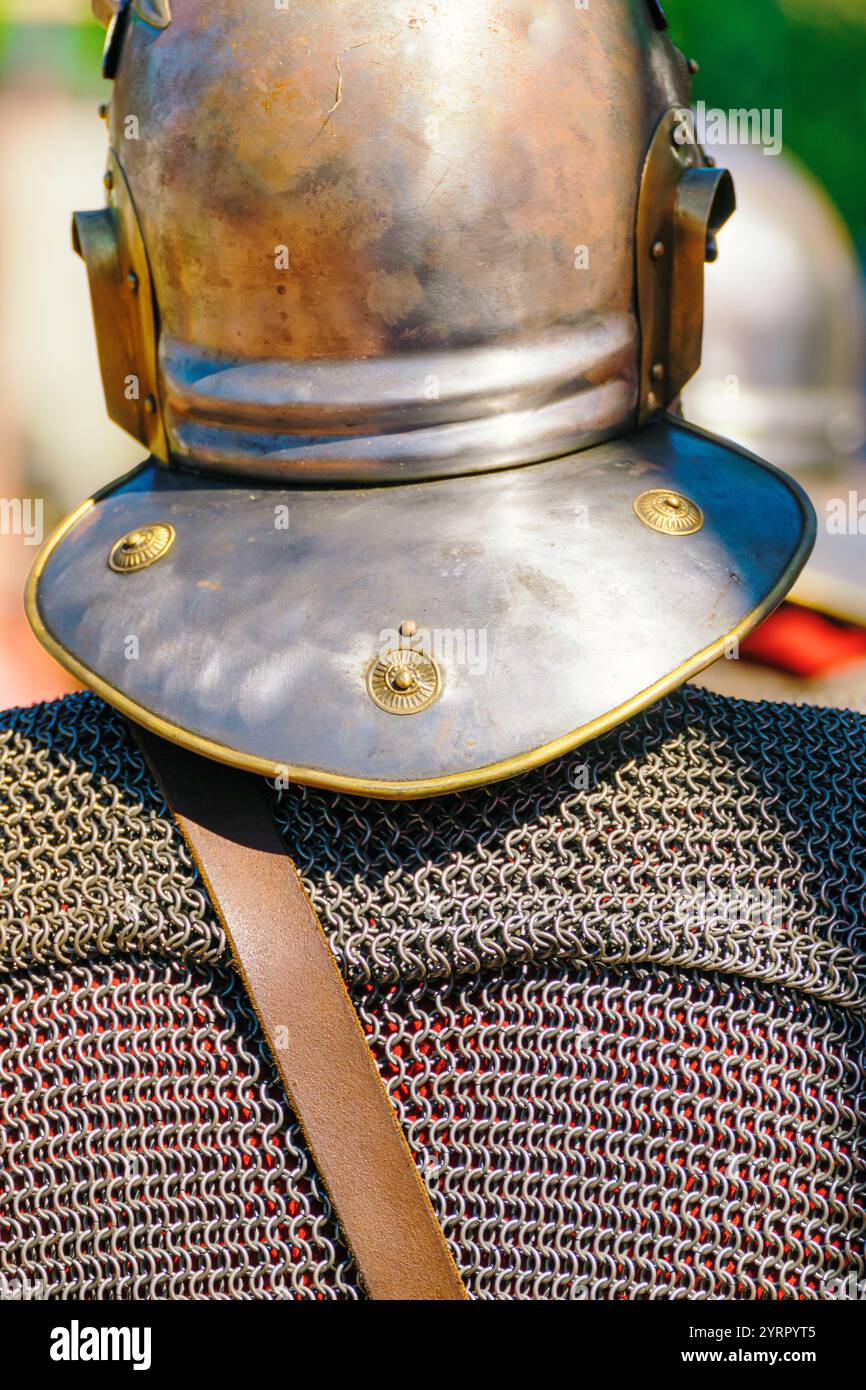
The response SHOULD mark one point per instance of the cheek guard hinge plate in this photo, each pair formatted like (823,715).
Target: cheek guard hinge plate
(111,246)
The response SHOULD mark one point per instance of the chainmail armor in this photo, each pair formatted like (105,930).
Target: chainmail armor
(611,1091)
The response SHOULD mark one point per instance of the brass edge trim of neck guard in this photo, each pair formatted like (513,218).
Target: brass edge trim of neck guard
(433,786)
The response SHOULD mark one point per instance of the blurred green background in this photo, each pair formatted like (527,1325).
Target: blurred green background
(806,57)
(56,39)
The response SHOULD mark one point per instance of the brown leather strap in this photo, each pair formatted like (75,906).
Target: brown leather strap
(314,1034)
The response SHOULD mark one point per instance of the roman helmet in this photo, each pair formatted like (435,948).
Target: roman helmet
(784,369)
(395,296)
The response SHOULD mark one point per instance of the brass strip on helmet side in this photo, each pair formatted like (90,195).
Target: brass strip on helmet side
(110,243)
(682,203)
(156,13)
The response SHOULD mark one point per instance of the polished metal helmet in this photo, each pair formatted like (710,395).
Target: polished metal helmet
(395,295)
(784,362)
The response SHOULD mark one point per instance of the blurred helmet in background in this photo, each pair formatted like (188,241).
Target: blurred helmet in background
(784,360)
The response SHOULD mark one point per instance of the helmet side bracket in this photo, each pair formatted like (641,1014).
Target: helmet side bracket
(683,202)
(110,243)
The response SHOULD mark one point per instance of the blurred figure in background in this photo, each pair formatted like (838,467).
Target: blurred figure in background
(785,357)
(783,374)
